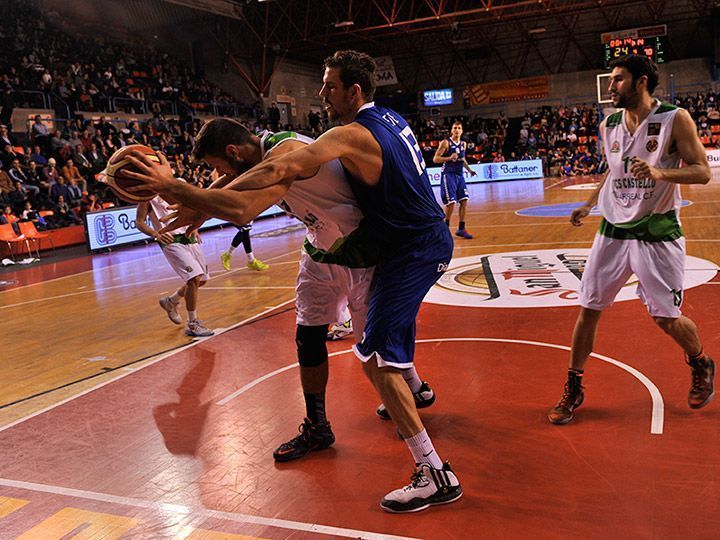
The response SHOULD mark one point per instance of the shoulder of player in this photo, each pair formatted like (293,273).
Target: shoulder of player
(287,146)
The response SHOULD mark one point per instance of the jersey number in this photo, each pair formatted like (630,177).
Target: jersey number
(414,148)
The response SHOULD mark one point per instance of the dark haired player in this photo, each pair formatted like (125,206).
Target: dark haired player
(379,152)
(639,199)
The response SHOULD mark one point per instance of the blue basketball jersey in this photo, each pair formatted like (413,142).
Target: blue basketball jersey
(403,201)
(455,167)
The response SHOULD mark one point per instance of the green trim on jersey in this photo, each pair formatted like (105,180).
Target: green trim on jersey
(273,140)
(665,107)
(359,249)
(652,228)
(614,119)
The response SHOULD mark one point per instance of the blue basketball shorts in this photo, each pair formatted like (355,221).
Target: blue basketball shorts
(453,188)
(401,281)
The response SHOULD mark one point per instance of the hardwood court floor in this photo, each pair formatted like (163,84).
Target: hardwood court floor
(178,442)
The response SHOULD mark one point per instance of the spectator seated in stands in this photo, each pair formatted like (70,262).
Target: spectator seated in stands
(18,175)
(50,173)
(38,157)
(70,172)
(65,214)
(9,218)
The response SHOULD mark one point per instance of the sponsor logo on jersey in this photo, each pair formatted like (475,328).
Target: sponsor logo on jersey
(651,145)
(653,129)
(532,279)
(615,147)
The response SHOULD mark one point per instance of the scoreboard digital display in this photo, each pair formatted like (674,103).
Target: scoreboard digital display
(649,41)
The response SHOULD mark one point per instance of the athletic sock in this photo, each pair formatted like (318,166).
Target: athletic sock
(231,249)
(696,357)
(175,297)
(250,256)
(423,451)
(462,225)
(574,372)
(315,408)
(192,315)
(411,378)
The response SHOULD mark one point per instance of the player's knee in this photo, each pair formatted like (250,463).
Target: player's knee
(665,323)
(311,346)
(195,282)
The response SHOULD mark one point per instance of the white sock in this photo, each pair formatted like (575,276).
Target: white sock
(192,315)
(231,249)
(412,379)
(175,297)
(423,451)
(250,257)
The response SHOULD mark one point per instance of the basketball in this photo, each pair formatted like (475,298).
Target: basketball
(119,182)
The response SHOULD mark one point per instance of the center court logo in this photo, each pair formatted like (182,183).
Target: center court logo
(532,279)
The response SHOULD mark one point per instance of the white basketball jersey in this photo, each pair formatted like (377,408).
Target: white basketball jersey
(161,209)
(324,202)
(624,198)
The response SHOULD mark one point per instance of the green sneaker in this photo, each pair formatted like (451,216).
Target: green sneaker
(225,258)
(257,265)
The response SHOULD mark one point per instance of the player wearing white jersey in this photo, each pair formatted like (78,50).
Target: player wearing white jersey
(337,258)
(185,257)
(639,200)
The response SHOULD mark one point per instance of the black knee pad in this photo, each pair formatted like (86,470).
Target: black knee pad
(311,347)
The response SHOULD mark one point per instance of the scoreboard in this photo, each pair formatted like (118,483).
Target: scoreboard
(648,41)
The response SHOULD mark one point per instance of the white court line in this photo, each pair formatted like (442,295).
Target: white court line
(132,284)
(157,254)
(182,510)
(150,363)
(557,183)
(658,406)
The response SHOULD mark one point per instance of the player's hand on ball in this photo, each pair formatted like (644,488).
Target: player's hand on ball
(156,176)
(641,169)
(578,214)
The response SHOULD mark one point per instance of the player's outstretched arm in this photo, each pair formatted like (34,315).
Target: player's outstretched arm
(238,207)
(349,143)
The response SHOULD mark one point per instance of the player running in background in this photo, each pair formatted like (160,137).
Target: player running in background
(185,257)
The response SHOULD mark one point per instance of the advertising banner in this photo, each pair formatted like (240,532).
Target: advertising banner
(504,91)
(116,226)
(490,172)
(713,157)
(385,72)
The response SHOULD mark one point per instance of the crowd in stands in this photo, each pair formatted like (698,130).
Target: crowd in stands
(703,107)
(50,174)
(563,138)
(87,73)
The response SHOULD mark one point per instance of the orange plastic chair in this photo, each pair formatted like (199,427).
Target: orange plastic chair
(7,235)
(28,230)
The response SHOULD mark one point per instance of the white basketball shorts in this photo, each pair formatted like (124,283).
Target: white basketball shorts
(324,290)
(187,260)
(659,267)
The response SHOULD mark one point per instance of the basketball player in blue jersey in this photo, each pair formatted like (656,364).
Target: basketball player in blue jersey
(383,159)
(451,153)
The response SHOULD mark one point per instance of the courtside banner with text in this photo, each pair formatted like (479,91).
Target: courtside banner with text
(116,226)
(713,157)
(490,172)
